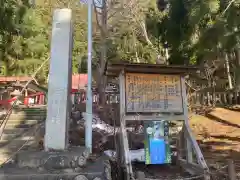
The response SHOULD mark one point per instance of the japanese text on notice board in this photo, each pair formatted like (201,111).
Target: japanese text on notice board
(153,93)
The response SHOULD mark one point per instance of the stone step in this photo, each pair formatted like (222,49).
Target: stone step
(27,116)
(15,131)
(21,124)
(42,108)
(24,124)
(16,143)
(10,134)
(10,150)
(29,121)
(29,111)
(23,117)
(11,137)
(19,121)
(4,156)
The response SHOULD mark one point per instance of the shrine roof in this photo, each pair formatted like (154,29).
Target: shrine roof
(31,86)
(9,79)
(79,81)
(114,69)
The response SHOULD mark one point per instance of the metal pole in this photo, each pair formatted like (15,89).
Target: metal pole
(88,129)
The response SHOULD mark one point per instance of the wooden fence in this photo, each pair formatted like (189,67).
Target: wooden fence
(226,98)
(205,97)
(80,98)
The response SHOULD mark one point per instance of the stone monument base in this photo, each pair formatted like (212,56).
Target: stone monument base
(72,164)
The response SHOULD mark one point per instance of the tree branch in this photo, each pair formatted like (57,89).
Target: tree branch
(98,23)
(143,26)
(231,2)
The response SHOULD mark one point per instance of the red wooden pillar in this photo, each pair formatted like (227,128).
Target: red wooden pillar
(41,99)
(26,101)
(36,99)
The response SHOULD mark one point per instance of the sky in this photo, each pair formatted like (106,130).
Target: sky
(97,2)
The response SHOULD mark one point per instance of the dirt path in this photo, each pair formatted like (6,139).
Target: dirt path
(218,135)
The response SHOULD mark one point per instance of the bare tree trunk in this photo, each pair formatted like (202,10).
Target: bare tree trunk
(237,55)
(103,58)
(213,92)
(237,62)
(228,72)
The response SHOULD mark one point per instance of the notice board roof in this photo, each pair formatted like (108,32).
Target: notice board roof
(114,69)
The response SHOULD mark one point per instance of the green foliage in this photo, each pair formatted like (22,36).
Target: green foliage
(24,42)
(198,29)
(194,30)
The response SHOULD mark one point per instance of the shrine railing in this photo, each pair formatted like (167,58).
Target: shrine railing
(211,98)
(198,98)
(80,98)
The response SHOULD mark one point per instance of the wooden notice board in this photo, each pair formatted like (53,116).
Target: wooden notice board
(153,93)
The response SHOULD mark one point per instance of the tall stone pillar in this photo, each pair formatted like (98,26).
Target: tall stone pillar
(59,85)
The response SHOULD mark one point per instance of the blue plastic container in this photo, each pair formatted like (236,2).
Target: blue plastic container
(157,151)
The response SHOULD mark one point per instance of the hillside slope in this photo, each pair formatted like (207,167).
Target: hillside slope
(218,134)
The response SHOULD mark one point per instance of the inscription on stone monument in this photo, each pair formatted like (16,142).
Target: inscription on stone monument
(153,93)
